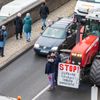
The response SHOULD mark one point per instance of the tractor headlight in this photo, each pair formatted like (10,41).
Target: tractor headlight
(36,45)
(74,54)
(79,55)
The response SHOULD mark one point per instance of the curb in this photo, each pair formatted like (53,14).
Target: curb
(18,54)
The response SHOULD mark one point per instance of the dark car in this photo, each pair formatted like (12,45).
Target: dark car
(61,34)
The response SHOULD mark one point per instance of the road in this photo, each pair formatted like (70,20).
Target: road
(26,77)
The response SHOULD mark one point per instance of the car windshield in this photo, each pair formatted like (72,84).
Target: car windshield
(95,1)
(54,33)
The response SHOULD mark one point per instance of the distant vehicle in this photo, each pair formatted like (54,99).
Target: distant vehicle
(14,7)
(55,37)
(6,98)
(84,6)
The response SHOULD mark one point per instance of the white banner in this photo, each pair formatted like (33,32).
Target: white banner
(68,75)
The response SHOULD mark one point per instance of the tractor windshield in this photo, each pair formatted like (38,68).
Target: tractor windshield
(93,27)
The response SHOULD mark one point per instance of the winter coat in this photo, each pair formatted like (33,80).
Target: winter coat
(27,23)
(56,62)
(44,11)
(3,37)
(18,24)
(49,68)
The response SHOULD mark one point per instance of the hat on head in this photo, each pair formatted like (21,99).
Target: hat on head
(27,14)
(3,27)
(19,14)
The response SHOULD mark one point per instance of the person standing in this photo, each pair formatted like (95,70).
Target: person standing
(44,11)
(49,70)
(56,63)
(27,26)
(3,37)
(18,25)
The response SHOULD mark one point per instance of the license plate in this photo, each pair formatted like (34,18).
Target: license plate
(44,51)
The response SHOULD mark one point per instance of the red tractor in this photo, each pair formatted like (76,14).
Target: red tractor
(86,53)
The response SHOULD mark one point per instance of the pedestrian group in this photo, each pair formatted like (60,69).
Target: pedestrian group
(25,26)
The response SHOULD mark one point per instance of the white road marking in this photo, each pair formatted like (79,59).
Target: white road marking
(40,93)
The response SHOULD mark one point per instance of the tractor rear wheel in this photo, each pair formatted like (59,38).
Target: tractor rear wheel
(95,72)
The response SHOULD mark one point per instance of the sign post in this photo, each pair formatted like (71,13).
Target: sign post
(68,75)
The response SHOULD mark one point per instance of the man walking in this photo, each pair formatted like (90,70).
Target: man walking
(18,25)
(44,11)
(3,37)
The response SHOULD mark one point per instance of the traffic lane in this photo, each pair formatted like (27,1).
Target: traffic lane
(24,77)
(65,93)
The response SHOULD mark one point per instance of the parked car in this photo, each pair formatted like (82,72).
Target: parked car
(56,36)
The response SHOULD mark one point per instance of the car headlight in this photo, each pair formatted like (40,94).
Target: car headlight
(54,48)
(36,45)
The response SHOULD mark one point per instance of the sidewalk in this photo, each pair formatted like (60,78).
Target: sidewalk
(14,47)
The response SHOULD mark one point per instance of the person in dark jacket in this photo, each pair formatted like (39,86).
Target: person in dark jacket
(3,37)
(56,64)
(18,25)
(27,22)
(49,70)
(44,11)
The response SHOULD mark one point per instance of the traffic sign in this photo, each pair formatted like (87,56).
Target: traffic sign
(68,75)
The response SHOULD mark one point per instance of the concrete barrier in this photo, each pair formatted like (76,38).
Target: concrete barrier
(33,9)
(54,4)
(3,2)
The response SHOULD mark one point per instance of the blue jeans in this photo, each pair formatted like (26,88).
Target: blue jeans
(28,35)
(51,79)
(43,23)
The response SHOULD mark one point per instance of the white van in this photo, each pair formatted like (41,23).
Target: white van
(84,6)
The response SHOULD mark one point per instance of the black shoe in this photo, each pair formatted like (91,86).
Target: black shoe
(21,36)
(2,55)
(42,28)
(17,38)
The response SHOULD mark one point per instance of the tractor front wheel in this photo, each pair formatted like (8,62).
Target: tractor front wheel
(95,72)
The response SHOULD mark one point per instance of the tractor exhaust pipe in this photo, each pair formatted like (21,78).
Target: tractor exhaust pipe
(80,33)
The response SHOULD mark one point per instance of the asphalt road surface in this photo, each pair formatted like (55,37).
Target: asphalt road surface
(26,77)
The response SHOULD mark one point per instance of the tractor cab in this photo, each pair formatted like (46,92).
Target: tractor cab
(93,23)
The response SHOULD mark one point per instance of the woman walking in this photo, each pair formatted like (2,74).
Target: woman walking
(27,24)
